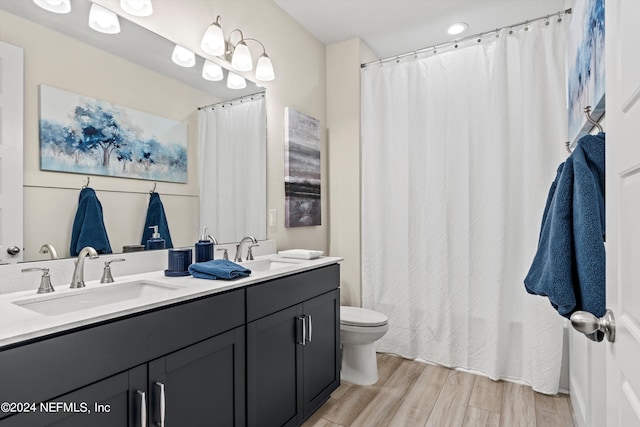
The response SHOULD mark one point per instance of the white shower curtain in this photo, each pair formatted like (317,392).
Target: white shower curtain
(458,152)
(232,169)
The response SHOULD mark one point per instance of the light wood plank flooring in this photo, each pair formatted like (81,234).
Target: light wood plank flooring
(410,393)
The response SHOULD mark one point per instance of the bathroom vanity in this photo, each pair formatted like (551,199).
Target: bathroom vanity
(259,351)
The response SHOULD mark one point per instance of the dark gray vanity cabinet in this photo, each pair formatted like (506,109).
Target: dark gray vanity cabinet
(194,349)
(263,355)
(202,385)
(114,401)
(293,339)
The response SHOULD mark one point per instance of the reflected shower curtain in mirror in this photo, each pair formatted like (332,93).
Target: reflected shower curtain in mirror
(232,169)
(458,151)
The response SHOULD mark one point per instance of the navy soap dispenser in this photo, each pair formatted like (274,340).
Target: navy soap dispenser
(155,242)
(204,247)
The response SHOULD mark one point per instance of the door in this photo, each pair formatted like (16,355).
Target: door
(201,385)
(623,210)
(118,401)
(274,369)
(11,125)
(321,354)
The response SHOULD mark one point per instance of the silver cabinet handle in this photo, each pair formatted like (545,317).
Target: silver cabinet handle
(304,330)
(161,404)
(587,323)
(142,396)
(310,327)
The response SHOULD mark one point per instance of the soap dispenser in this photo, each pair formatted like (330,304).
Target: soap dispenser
(155,242)
(204,247)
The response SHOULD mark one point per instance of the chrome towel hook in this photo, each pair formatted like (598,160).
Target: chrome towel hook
(87,184)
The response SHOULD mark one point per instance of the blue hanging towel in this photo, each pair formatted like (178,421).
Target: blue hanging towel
(88,225)
(218,269)
(156,216)
(569,265)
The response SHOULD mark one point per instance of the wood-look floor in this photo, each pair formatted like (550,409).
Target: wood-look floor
(410,393)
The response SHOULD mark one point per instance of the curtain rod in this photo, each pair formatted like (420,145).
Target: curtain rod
(456,41)
(230,101)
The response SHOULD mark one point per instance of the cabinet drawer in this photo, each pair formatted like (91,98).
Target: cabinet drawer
(44,369)
(269,297)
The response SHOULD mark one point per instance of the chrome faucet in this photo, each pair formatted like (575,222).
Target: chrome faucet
(238,257)
(78,273)
(48,248)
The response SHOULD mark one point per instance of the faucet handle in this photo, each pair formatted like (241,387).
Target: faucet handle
(106,274)
(45,280)
(225,255)
(250,252)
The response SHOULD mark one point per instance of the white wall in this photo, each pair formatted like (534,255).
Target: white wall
(51,198)
(343,123)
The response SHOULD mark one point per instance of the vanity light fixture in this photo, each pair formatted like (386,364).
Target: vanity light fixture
(212,71)
(137,7)
(234,81)
(183,56)
(55,6)
(214,43)
(457,28)
(213,39)
(103,20)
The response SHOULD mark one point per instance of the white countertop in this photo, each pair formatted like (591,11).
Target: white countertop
(19,324)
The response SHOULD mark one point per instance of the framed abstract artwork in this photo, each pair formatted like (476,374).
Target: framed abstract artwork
(585,50)
(302,169)
(79,134)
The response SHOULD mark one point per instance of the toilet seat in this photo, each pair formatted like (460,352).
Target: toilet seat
(361,317)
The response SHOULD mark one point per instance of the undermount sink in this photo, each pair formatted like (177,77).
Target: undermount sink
(91,297)
(269,264)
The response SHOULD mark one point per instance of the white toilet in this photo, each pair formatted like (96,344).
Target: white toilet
(360,328)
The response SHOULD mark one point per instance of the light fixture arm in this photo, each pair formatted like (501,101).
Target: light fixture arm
(230,46)
(264,51)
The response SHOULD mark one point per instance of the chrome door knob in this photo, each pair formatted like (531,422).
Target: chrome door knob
(587,323)
(13,250)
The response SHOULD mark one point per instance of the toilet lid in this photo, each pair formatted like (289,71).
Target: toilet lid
(356,316)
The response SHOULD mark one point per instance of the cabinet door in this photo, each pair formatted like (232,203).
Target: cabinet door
(201,385)
(102,404)
(321,352)
(274,369)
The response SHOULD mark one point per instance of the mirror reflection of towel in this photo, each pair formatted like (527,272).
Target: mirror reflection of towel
(88,225)
(156,216)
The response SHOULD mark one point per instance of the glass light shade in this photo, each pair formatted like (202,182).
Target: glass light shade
(235,81)
(183,56)
(137,7)
(264,69)
(55,6)
(241,59)
(103,20)
(213,40)
(212,71)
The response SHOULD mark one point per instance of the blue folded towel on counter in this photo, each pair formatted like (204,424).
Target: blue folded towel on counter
(88,225)
(218,269)
(569,265)
(156,216)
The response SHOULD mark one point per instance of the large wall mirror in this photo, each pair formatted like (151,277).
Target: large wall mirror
(132,69)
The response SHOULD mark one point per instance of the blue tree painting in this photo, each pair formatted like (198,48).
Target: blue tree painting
(585,46)
(89,136)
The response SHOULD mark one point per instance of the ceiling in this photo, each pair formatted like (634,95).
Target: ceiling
(394,27)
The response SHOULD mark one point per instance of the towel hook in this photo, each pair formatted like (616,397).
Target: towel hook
(87,184)
(568,146)
(153,190)
(587,111)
